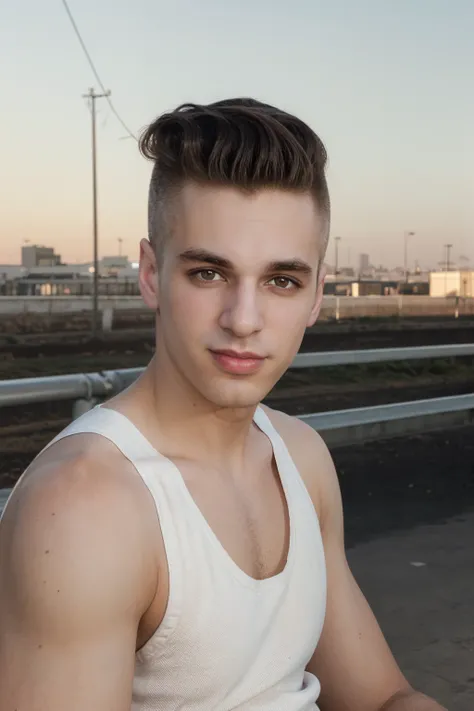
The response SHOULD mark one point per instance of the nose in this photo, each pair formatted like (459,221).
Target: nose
(242,314)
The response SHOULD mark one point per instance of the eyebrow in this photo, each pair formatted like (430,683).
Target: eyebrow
(285,265)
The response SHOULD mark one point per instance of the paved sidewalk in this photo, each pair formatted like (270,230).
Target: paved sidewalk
(420,584)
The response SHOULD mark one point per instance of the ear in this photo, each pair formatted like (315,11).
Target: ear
(148,275)
(318,300)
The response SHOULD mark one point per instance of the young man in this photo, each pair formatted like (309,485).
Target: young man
(172,549)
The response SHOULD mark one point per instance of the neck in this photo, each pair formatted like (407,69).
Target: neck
(188,425)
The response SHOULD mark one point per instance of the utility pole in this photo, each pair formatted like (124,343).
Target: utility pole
(405,254)
(92,96)
(336,243)
(446,268)
(448,252)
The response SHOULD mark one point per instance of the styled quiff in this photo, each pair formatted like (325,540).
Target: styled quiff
(240,143)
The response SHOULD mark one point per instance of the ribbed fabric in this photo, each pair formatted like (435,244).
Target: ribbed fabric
(227,641)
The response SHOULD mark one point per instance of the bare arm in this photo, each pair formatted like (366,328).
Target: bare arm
(74,583)
(353,661)
(411,701)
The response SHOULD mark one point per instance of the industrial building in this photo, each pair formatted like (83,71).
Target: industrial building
(452,283)
(38,256)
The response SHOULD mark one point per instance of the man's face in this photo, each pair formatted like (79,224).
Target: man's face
(237,289)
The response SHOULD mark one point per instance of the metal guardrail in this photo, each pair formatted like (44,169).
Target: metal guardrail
(4,494)
(381,355)
(354,417)
(360,424)
(90,387)
(80,386)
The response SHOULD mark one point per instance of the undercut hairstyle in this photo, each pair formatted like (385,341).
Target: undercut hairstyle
(240,143)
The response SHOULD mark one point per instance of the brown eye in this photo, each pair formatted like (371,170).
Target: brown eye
(207,275)
(284,283)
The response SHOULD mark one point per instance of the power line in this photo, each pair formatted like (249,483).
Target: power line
(95,72)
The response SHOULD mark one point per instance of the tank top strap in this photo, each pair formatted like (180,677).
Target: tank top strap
(289,474)
(264,424)
(115,427)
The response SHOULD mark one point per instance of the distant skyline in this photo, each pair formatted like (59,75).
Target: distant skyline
(361,264)
(387,86)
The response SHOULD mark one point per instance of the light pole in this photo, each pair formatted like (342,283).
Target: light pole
(405,253)
(120,240)
(448,252)
(336,244)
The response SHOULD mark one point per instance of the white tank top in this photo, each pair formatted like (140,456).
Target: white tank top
(227,640)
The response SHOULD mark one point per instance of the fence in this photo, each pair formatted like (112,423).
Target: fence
(87,388)
(340,427)
(57,310)
(345,427)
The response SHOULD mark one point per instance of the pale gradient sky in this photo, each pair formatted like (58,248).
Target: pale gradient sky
(388,85)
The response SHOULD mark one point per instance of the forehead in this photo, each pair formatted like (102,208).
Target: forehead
(265,225)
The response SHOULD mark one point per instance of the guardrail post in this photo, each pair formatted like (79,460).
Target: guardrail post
(80,407)
(107,318)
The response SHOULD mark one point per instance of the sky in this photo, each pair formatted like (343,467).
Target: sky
(388,86)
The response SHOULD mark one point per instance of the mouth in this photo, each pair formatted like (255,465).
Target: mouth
(238,363)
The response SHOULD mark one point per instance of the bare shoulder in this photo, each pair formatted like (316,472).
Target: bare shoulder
(80,477)
(312,458)
(78,572)
(79,518)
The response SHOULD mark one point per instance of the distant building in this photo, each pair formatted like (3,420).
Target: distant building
(364,264)
(11,271)
(112,266)
(38,256)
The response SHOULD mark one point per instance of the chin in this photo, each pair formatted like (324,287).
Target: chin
(236,394)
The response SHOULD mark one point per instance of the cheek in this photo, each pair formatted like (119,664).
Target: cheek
(192,308)
(288,326)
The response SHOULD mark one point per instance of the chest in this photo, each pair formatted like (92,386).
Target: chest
(240,530)
(247,515)
(235,630)
(248,521)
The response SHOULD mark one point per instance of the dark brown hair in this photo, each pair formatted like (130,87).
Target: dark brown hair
(237,142)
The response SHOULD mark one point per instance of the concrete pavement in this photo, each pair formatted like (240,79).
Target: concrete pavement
(420,584)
